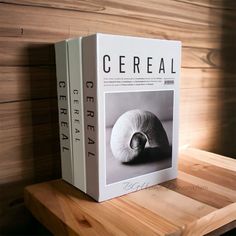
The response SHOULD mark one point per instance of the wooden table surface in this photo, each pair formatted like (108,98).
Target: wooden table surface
(202,200)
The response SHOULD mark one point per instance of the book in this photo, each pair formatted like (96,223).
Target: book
(64,113)
(129,103)
(71,118)
(77,116)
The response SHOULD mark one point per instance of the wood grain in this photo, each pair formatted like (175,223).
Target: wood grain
(26,128)
(208,172)
(194,30)
(158,210)
(211,221)
(42,29)
(28,111)
(26,53)
(204,195)
(37,82)
(27,83)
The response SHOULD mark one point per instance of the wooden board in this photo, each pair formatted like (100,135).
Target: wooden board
(198,202)
(28,111)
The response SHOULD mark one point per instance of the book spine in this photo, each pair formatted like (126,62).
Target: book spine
(77,119)
(89,58)
(64,110)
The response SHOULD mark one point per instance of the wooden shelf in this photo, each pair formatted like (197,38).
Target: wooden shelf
(202,200)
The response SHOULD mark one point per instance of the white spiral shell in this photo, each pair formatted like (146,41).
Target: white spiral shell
(134,131)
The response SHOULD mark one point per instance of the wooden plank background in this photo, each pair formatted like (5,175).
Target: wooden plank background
(29,144)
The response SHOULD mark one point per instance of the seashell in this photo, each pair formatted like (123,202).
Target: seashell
(134,131)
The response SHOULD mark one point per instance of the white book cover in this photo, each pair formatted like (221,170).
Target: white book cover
(131,113)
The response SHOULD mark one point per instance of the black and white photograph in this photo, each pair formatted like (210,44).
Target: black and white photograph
(139,129)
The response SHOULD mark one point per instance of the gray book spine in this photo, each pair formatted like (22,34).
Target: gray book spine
(77,114)
(89,57)
(63,92)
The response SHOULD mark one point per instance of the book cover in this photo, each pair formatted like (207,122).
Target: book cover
(131,96)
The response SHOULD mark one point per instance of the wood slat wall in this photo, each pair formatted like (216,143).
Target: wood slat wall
(29,144)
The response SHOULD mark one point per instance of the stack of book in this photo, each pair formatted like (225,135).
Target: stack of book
(118,102)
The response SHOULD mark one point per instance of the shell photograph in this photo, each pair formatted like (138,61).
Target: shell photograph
(138,133)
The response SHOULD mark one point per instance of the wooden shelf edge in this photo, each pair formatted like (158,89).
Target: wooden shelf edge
(65,211)
(44,215)
(212,221)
